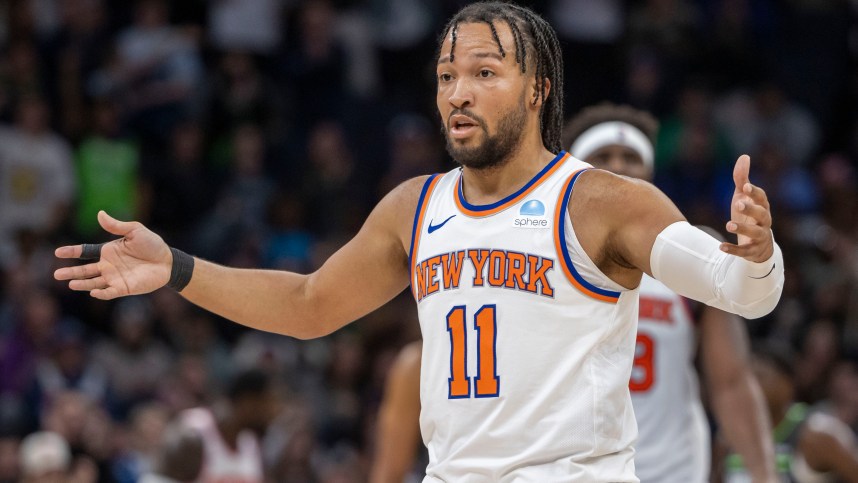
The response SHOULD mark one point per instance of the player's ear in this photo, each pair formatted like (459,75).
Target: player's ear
(536,99)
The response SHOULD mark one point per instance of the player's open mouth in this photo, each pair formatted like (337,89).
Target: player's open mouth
(462,126)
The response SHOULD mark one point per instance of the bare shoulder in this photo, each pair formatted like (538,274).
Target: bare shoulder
(396,210)
(604,188)
(616,221)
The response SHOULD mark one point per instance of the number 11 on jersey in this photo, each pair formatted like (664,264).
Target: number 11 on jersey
(487,382)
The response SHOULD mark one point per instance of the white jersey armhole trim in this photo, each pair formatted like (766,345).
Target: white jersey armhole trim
(585,266)
(582,263)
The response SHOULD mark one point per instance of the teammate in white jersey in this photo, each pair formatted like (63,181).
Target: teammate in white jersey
(528,323)
(674,439)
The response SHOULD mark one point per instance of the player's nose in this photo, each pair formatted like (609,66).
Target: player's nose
(461,95)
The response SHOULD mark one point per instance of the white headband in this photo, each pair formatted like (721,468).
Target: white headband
(613,133)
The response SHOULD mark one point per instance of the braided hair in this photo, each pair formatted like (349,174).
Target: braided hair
(533,36)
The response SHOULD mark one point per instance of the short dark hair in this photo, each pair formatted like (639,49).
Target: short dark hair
(532,35)
(606,112)
(248,383)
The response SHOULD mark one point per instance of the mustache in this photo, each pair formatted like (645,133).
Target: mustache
(466,112)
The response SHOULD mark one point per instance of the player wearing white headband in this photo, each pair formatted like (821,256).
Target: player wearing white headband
(673,440)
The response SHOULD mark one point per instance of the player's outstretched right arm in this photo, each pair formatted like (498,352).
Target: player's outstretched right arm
(368,271)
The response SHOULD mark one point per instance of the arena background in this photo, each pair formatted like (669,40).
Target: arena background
(261,133)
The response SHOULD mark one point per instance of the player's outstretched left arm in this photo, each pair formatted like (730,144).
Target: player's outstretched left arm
(651,235)
(745,278)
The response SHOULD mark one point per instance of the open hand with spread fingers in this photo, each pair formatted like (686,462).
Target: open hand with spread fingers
(138,263)
(750,217)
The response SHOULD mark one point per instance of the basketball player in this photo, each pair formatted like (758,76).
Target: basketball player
(673,440)
(812,447)
(525,288)
(230,432)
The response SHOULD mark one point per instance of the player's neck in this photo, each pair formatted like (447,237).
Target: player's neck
(487,186)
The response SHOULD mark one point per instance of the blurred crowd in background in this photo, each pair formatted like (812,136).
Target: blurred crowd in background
(260,133)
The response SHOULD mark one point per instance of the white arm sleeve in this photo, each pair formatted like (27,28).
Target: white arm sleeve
(690,262)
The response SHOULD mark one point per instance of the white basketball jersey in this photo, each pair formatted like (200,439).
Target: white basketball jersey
(526,362)
(221,463)
(673,439)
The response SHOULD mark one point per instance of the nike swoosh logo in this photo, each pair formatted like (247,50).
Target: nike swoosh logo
(439,225)
(756,278)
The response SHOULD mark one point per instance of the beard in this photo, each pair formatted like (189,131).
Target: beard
(493,151)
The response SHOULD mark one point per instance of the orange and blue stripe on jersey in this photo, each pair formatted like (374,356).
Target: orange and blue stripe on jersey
(560,243)
(490,209)
(417,228)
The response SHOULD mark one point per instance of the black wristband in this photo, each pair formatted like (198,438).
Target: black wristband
(183,269)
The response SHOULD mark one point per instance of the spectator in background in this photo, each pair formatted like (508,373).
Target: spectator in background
(766,116)
(288,244)
(21,75)
(810,445)
(187,385)
(180,458)
(107,170)
(36,319)
(242,94)
(404,36)
(333,187)
(194,334)
(46,458)
(231,231)
(68,367)
(670,28)
(692,157)
(231,430)
(646,85)
(37,182)
(314,71)
(815,361)
(182,178)
(135,362)
(148,422)
(593,31)
(842,401)
(252,26)
(72,54)
(740,34)
(414,149)
(156,70)
(84,426)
